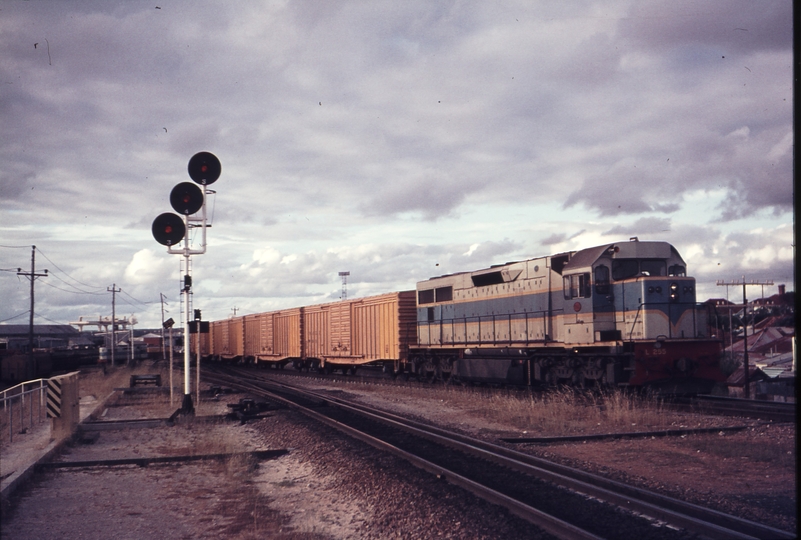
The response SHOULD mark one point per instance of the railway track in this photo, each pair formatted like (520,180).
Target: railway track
(702,404)
(749,408)
(566,502)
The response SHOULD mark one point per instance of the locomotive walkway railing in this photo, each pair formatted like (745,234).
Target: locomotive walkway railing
(23,404)
(532,327)
(458,331)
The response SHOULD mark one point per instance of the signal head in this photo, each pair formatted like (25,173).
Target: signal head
(186,198)
(168,229)
(204,168)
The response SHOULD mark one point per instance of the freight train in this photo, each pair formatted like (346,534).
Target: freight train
(621,314)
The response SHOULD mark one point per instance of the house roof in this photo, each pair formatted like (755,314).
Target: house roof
(773,339)
(778,373)
(738,377)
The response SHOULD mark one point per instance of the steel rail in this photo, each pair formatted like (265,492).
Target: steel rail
(693,517)
(711,523)
(766,410)
(547,522)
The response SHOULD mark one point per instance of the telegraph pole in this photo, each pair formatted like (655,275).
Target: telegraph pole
(163,355)
(113,290)
(753,282)
(32,275)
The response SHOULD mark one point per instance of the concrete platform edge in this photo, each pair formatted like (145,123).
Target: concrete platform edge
(18,478)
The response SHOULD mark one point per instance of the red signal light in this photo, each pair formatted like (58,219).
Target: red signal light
(168,229)
(186,198)
(204,168)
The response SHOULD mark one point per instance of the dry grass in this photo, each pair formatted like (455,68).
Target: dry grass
(564,411)
(557,412)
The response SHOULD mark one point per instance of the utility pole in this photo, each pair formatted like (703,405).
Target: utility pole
(133,359)
(163,355)
(753,282)
(113,290)
(32,275)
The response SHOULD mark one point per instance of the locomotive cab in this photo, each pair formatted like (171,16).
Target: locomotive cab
(628,291)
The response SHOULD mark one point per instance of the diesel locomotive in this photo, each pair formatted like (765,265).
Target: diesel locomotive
(621,314)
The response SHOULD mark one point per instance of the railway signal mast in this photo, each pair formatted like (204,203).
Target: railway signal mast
(169,229)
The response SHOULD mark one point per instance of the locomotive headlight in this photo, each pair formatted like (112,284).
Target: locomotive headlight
(674,292)
(651,289)
(659,290)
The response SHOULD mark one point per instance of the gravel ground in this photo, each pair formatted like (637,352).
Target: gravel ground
(325,487)
(330,487)
(750,473)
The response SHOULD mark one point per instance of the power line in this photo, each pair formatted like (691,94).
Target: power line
(51,320)
(78,291)
(137,300)
(69,276)
(15,316)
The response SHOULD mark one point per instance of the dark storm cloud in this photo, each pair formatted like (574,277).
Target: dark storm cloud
(394,140)
(739,26)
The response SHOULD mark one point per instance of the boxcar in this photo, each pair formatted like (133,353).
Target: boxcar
(343,335)
(272,338)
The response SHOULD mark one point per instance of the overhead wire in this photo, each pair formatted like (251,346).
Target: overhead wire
(16,316)
(68,291)
(66,274)
(136,299)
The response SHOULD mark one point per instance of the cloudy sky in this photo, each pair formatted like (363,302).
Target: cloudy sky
(394,140)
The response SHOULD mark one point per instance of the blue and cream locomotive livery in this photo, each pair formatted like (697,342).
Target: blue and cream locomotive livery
(617,314)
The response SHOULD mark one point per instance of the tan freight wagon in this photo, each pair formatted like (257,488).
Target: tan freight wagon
(349,333)
(272,337)
(228,339)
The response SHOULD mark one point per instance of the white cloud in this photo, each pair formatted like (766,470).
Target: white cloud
(396,140)
(146,267)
